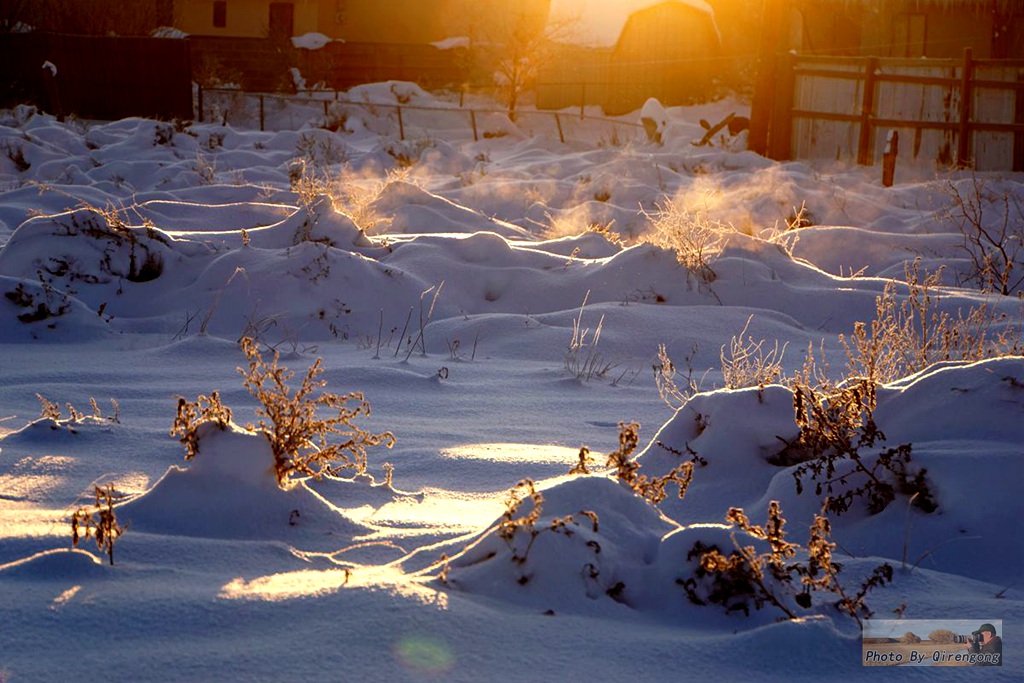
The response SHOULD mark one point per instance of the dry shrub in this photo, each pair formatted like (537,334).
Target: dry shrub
(512,526)
(834,427)
(994,244)
(98,522)
(627,469)
(289,420)
(750,578)
(297,435)
(192,414)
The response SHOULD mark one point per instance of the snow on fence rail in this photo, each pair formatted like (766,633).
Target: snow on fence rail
(271,111)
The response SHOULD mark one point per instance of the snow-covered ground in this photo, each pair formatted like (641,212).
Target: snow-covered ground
(135,254)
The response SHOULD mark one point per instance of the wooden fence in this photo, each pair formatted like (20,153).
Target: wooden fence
(967,113)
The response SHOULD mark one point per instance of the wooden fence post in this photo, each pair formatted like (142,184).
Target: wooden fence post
(865,155)
(201,105)
(472,120)
(892,150)
(963,142)
(780,139)
(262,117)
(561,135)
(765,92)
(401,124)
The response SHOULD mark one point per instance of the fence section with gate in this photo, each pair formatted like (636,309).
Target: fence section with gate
(948,112)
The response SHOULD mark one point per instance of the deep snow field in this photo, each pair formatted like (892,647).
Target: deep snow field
(135,254)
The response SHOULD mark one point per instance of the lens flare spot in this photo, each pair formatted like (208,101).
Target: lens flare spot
(425,654)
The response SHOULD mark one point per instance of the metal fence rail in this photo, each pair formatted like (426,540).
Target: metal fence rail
(273,111)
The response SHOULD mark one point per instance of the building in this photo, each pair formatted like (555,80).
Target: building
(409,22)
(667,49)
(907,28)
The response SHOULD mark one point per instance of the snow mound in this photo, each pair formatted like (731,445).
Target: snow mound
(561,565)
(409,209)
(31,311)
(962,423)
(230,491)
(54,564)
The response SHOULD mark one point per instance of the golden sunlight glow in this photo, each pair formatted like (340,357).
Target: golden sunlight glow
(33,478)
(439,509)
(64,598)
(599,22)
(513,452)
(311,583)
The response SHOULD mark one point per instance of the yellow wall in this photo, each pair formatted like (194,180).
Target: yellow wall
(245,18)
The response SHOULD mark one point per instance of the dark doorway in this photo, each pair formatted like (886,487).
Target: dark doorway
(282,20)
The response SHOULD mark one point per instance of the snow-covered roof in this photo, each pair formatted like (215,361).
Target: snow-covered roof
(599,23)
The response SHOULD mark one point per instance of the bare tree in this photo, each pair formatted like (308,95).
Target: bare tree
(992,226)
(512,42)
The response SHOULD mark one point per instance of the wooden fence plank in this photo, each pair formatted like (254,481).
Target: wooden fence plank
(864,156)
(954,110)
(963,147)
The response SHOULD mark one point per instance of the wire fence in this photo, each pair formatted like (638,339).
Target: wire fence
(331,109)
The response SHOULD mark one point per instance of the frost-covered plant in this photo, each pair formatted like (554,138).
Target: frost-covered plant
(695,238)
(583,360)
(407,153)
(774,576)
(50,411)
(321,150)
(674,395)
(750,363)
(98,522)
(907,335)
(97,412)
(289,419)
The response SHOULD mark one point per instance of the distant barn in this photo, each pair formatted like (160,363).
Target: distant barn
(667,50)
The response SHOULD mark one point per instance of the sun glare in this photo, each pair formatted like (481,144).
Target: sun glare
(313,583)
